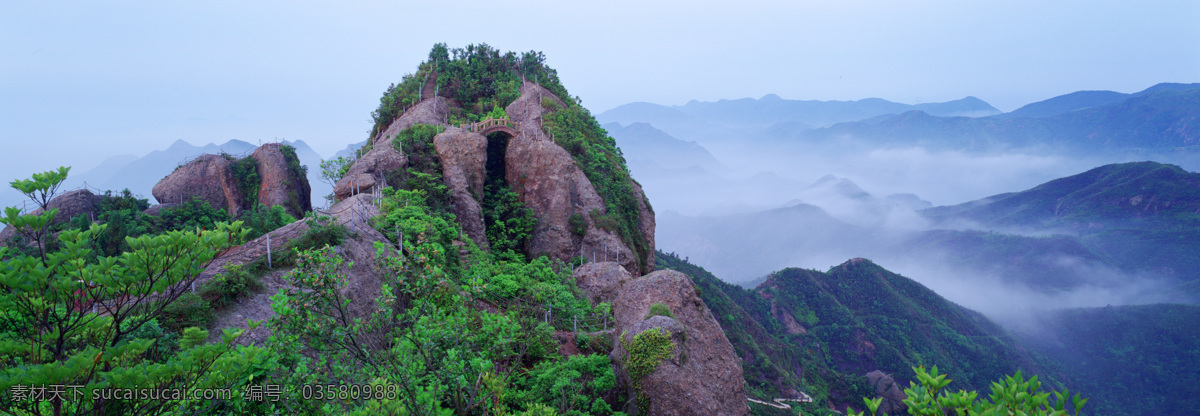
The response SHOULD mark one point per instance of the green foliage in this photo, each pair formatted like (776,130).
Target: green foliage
(190,215)
(658,309)
(509,222)
(574,386)
(245,175)
(223,289)
(577,224)
(396,99)
(188,310)
(1132,360)
(648,349)
(479,78)
(496,113)
(1013,395)
(424,171)
(57,338)
(332,170)
(298,173)
(192,336)
(262,220)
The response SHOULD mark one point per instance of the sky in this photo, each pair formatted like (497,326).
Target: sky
(83,81)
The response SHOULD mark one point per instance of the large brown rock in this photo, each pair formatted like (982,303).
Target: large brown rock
(704,374)
(602,281)
(208,177)
(69,205)
(464,158)
(886,387)
(555,188)
(362,278)
(383,162)
(278,184)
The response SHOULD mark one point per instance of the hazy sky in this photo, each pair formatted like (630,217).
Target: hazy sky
(82,81)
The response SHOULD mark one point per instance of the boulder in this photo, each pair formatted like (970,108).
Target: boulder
(602,281)
(886,387)
(279,184)
(69,204)
(549,182)
(464,156)
(208,177)
(704,374)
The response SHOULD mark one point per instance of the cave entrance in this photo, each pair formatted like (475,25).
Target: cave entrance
(507,222)
(497,146)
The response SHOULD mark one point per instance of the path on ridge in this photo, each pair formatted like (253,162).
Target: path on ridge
(430,87)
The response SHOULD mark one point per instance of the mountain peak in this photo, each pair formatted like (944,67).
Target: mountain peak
(770,97)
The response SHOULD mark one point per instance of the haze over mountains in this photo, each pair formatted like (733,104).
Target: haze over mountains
(956,202)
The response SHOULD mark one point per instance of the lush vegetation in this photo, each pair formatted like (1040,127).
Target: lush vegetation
(49,334)
(820,332)
(1131,360)
(424,167)
(1012,395)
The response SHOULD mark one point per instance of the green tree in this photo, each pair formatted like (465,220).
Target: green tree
(332,171)
(52,337)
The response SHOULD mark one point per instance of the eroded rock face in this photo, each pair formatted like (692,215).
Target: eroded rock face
(886,387)
(383,162)
(601,281)
(69,204)
(278,185)
(362,279)
(208,177)
(464,158)
(555,188)
(704,374)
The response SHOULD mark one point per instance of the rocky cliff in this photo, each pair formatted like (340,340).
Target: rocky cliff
(555,188)
(208,177)
(282,181)
(703,375)
(270,176)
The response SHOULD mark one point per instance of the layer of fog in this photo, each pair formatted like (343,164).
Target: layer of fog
(773,206)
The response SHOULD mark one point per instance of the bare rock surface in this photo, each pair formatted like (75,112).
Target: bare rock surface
(363,280)
(886,387)
(279,186)
(69,205)
(601,281)
(555,188)
(464,158)
(383,161)
(208,177)
(704,374)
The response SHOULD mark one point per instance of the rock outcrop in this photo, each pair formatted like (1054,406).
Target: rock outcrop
(208,177)
(383,163)
(464,156)
(555,188)
(212,178)
(279,184)
(362,278)
(602,281)
(69,204)
(886,387)
(704,374)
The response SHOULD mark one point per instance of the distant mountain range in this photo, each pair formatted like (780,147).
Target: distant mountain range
(1163,117)
(771,110)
